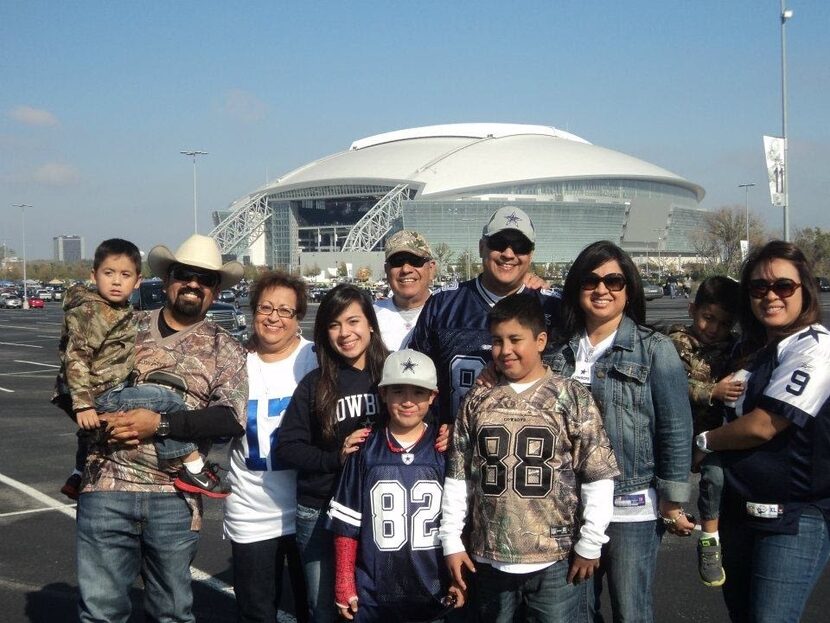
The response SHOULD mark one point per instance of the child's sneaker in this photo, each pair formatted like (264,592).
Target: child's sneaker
(72,487)
(709,562)
(206,482)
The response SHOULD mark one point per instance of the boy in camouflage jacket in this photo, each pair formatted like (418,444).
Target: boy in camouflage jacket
(704,348)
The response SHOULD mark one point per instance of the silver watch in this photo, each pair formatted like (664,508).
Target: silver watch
(702,444)
(163,429)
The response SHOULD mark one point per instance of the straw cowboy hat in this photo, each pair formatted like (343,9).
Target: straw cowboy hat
(199,252)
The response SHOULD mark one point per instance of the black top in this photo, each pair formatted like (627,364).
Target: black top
(301,445)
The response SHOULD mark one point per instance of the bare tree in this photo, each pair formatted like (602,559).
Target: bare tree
(719,242)
(815,243)
(443,255)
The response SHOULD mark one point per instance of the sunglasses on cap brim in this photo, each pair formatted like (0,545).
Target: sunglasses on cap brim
(519,244)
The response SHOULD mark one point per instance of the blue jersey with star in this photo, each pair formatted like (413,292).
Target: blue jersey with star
(452,331)
(390,500)
(791,380)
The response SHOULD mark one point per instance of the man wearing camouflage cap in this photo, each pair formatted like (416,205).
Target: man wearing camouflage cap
(410,270)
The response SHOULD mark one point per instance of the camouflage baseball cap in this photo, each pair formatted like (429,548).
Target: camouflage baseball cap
(407,241)
(409,367)
(509,217)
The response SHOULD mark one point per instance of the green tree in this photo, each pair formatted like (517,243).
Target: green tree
(815,243)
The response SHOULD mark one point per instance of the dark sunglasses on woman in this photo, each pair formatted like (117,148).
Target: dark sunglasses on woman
(519,244)
(399,259)
(206,278)
(783,288)
(614,282)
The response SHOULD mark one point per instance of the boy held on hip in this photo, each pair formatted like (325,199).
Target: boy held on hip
(97,353)
(704,348)
(386,509)
(534,453)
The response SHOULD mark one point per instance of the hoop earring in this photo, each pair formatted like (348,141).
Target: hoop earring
(299,331)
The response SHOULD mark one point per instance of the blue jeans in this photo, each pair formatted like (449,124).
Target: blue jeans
(628,563)
(316,546)
(769,577)
(711,487)
(121,535)
(543,596)
(155,398)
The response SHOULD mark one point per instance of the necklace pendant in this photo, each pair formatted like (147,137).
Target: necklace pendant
(407,458)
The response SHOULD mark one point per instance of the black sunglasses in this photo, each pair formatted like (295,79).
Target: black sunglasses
(613,281)
(208,279)
(519,244)
(399,259)
(783,288)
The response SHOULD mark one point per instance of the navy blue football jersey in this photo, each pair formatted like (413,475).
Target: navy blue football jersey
(452,331)
(791,380)
(390,500)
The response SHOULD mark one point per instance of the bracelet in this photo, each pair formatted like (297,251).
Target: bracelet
(669,522)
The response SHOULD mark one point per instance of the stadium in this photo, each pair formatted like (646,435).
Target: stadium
(444,181)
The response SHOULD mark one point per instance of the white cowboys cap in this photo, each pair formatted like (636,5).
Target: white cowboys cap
(507,218)
(409,367)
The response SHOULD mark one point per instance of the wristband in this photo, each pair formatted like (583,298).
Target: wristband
(702,443)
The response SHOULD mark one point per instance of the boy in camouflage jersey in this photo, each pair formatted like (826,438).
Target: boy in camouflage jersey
(704,348)
(534,452)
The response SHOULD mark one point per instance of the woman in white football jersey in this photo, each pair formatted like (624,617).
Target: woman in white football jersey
(260,512)
(775,446)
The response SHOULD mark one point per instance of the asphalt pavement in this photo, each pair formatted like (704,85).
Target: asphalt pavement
(37,526)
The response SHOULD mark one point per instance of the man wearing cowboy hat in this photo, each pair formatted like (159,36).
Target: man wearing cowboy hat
(130,516)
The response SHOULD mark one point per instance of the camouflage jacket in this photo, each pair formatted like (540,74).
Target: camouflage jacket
(97,346)
(210,363)
(705,365)
(525,456)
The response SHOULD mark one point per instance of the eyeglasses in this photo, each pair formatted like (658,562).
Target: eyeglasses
(399,259)
(208,279)
(613,281)
(266,309)
(519,244)
(783,288)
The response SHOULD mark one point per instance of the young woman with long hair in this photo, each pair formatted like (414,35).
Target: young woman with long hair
(328,418)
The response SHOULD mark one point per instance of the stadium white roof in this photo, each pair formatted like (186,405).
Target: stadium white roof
(455,159)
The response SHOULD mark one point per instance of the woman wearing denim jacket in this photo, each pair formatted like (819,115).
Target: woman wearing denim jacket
(638,381)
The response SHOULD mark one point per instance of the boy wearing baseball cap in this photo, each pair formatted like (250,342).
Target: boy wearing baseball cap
(386,509)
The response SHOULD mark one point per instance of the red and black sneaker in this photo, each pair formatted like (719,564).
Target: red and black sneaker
(72,487)
(206,482)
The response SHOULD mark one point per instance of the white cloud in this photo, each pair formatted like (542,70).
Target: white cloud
(33,116)
(55,174)
(244,106)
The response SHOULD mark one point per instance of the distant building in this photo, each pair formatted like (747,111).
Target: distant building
(68,248)
(445,181)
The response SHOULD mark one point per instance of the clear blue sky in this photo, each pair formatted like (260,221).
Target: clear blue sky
(98,98)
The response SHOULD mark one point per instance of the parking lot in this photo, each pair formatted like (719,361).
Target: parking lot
(37,576)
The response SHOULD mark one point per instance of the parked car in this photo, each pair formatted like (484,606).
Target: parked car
(823,284)
(652,291)
(150,295)
(10,301)
(36,303)
(44,295)
(58,293)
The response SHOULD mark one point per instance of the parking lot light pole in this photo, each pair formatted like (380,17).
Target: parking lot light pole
(746,188)
(785,15)
(193,153)
(23,207)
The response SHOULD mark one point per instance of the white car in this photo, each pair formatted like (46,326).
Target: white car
(10,301)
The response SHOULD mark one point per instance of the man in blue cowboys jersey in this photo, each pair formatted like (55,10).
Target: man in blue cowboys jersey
(452,329)
(386,509)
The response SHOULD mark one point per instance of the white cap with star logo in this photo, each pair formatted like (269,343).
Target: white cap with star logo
(509,217)
(409,367)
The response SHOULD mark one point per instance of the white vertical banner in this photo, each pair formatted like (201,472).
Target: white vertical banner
(775,149)
(744,249)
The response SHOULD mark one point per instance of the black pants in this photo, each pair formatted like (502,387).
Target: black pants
(257,579)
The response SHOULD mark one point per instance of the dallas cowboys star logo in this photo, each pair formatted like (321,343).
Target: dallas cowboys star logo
(408,366)
(811,332)
(512,219)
